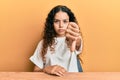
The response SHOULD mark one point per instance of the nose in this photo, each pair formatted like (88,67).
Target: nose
(61,24)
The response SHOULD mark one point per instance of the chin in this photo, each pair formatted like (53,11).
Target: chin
(61,35)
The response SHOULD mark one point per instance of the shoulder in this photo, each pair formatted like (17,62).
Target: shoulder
(38,49)
(40,43)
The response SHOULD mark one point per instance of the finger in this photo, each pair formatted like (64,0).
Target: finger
(60,72)
(73,24)
(54,69)
(58,68)
(72,32)
(73,46)
(72,35)
(73,29)
(69,36)
(63,70)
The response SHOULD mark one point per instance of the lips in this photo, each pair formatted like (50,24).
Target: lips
(61,30)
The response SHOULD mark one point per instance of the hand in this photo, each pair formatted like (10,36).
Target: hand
(55,69)
(73,35)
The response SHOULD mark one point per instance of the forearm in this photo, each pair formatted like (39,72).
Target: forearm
(78,43)
(37,69)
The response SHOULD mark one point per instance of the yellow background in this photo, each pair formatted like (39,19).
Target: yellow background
(21,25)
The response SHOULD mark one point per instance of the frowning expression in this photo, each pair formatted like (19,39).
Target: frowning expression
(61,21)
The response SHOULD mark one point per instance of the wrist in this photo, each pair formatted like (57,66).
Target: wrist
(44,70)
(78,43)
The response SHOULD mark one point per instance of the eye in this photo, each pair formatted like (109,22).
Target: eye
(56,21)
(65,21)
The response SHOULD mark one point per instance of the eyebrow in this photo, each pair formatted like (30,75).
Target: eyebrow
(63,19)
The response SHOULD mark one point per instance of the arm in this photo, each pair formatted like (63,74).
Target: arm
(55,69)
(37,69)
(78,43)
(74,36)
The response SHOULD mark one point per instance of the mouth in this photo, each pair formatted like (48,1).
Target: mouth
(61,30)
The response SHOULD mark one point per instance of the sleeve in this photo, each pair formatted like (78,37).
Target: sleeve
(80,48)
(36,57)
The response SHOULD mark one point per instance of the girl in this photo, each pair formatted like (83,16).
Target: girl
(57,52)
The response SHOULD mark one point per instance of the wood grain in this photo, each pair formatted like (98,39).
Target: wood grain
(68,76)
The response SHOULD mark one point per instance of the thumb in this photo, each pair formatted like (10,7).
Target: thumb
(73,45)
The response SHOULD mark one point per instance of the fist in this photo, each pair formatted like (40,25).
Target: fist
(72,35)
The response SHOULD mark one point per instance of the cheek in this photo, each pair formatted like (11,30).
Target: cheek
(55,26)
(66,25)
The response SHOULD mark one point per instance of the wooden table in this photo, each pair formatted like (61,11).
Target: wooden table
(68,76)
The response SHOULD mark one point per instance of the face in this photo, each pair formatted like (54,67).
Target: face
(61,21)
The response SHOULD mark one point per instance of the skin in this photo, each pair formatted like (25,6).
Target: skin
(73,34)
(63,28)
(61,23)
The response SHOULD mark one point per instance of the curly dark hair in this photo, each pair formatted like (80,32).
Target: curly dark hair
(49,32)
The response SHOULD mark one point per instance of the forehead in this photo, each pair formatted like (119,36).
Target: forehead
(61,15)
